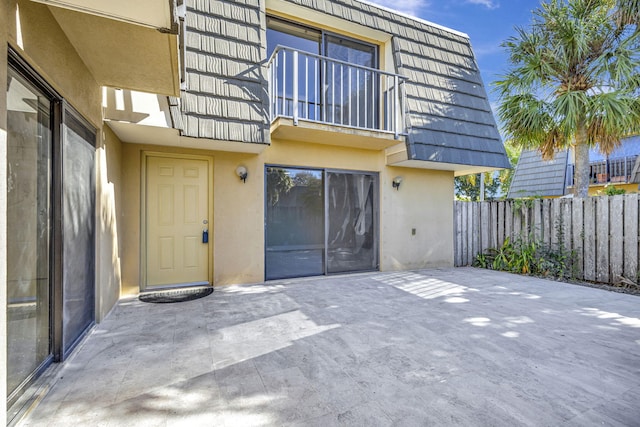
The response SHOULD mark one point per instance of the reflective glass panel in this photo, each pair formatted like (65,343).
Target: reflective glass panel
(352,93)
(352,239)
(28,229)
(78,203)
(294,223)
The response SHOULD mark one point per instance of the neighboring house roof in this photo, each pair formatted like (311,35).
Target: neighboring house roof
(536,177)
(450,117)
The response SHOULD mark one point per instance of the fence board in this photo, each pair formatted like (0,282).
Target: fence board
(566,224)
(537,220)
(546,221)
(501,225)
(494,225)
(476,229)
(602,239)
(468,246)
(508,220)
(485,224)
(616,244)
(577,216)
(590,239)
(516,228)
(631,237)
(457,221)
(555,218)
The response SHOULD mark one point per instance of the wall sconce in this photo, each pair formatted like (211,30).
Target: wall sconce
(396,182)
(241,171)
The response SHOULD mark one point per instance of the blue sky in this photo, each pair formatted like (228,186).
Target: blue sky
(487,22)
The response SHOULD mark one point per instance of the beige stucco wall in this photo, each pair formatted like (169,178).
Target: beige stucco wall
(108,202)
(424,202)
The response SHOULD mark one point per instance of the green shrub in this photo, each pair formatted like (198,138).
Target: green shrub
(611,190)
(528,257)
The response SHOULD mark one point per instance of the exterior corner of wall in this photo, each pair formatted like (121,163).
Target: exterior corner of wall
(108,259)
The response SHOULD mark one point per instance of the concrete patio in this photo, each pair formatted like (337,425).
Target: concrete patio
(434,347)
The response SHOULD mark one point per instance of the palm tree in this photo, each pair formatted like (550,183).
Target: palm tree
(574,80)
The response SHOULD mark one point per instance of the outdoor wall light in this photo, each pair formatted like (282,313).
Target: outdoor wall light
(396,182)
(241,171)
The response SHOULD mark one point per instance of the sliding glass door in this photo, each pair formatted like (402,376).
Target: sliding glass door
(320,222)
(29,213)
(50,228)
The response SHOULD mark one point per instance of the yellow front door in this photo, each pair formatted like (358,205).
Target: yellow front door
(177,215)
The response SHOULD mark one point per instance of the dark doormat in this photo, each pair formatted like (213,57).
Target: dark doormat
(176,295)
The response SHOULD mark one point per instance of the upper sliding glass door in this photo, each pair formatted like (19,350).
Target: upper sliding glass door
(320,222)
(342,89)
(351,92)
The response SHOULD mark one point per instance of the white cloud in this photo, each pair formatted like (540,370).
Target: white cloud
(489,4)
(410,7)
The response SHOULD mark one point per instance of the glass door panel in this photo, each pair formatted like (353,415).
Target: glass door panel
(351,96)
(351,222)
(28,229)
(78,202)
(294,223)
(302,39)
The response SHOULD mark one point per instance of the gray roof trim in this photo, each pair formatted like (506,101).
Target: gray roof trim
(423,21)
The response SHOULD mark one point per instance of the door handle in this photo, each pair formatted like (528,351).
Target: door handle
(205,236)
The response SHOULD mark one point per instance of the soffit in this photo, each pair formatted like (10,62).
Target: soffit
(120,54)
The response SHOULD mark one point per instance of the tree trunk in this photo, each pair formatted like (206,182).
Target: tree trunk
(581,172)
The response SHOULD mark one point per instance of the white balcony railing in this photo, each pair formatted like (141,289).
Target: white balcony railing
(312,87)
(606,171)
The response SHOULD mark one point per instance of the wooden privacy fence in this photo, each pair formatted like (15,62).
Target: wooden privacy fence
(601,231)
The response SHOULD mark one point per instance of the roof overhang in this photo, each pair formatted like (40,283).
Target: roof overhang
(164,136)
(397,156)
(125,44)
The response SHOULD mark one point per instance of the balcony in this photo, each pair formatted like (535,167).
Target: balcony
(610,171)
(317,99)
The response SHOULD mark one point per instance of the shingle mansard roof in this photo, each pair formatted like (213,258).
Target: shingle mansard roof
(226,98)
(535,177)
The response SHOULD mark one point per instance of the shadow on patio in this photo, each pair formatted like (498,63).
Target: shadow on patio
(445,347)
